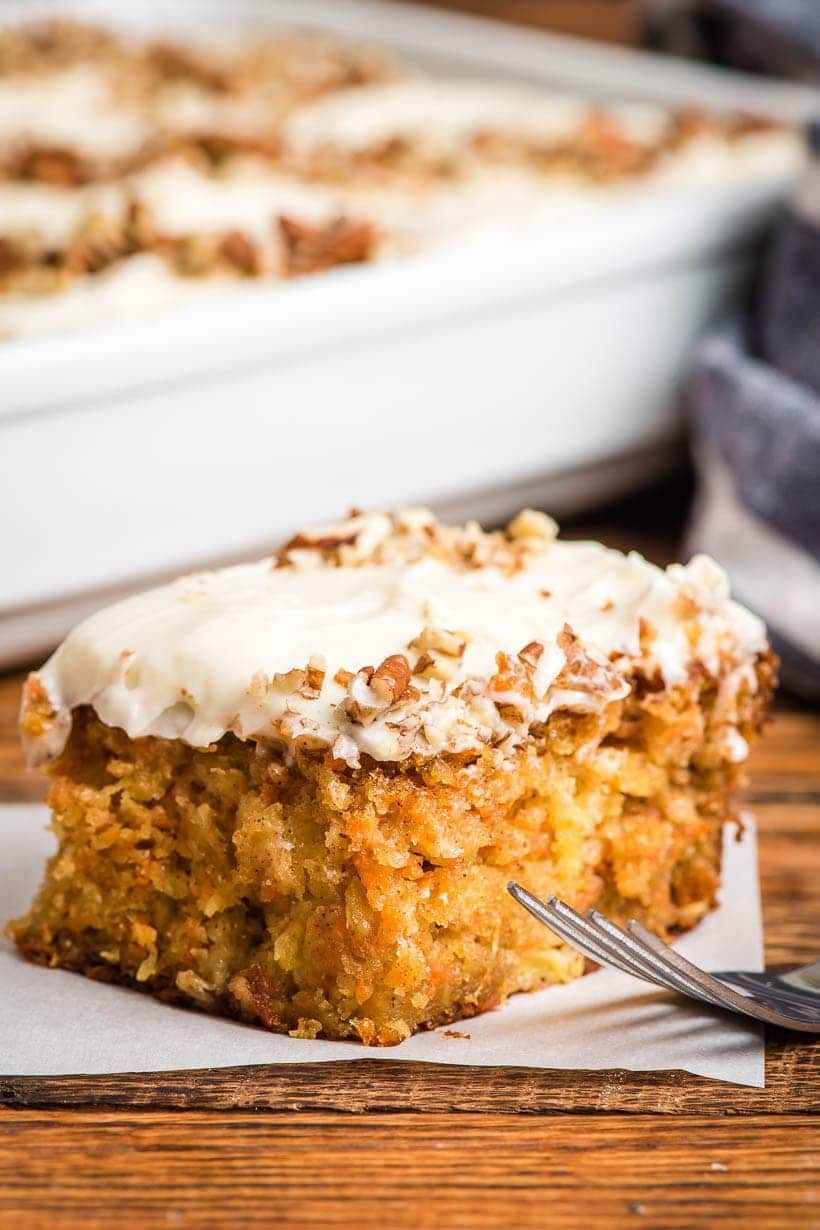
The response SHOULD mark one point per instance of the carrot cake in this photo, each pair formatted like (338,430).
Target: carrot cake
(138,175)
(294,791)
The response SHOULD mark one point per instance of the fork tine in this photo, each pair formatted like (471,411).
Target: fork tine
(602,940)
(638,952)
(613,952)
(616,950)
(667,973)
(648,964)
(545,913)
(590,946)
(724,994)
(567,929)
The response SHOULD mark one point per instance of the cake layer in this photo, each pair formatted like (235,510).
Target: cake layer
(312,898)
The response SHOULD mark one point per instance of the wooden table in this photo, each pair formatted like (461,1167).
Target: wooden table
(406,1145)
(616,21)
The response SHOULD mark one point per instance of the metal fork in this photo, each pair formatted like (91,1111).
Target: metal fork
(790,999)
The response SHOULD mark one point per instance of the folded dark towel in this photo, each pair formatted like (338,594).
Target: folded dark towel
(786,324)
(754,410)
(766,429)
(756,441)
(754,393)
(778,37)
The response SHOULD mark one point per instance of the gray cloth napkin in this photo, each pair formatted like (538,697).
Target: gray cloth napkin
(756,442)
(786,318)
(754,410)
(777,37)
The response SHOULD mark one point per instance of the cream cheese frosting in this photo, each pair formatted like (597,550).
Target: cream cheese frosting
(55,213)
(75,108)
(420,107)
(396,636)
(130,291)
(183,201)
(297,130)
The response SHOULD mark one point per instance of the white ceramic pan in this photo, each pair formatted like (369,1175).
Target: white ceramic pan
(538,369)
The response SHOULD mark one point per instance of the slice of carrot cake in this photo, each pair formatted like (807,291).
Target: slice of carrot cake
(294,791)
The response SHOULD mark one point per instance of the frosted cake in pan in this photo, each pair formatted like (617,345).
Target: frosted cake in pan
(139,175)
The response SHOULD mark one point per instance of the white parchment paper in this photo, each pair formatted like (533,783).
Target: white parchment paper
(56,1023)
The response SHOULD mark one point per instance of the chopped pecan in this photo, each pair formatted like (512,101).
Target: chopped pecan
(439,640)
(326,542)
(289,681)
(583,673)
(531,653)
(51,165)
(177,63)
(361,703)
(309,249)
(315,675)
(424,663)
(391,678)
(440,652)
(241,252)
(532,524)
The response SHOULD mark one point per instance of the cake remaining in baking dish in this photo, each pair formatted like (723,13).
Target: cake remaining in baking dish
(136,174)
(294,791)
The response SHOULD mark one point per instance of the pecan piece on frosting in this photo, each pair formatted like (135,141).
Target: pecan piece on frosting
(439,640)
(326,542)
(582,673)
(532,524)
(531,653)
(391,678)
(309,249)
(48,164)
(440,652)
(241,253)
(326,538)
(315,674)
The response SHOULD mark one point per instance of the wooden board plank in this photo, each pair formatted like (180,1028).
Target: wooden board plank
(96,1169)
(614,21)
(792,1085)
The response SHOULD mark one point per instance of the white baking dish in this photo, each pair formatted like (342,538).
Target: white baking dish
(522,370)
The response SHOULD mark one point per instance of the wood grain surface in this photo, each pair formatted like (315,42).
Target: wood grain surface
(99,1169)
(617,21)
(399,1145)
(390,1144)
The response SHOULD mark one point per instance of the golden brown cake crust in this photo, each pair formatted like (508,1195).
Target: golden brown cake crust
(322,900)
